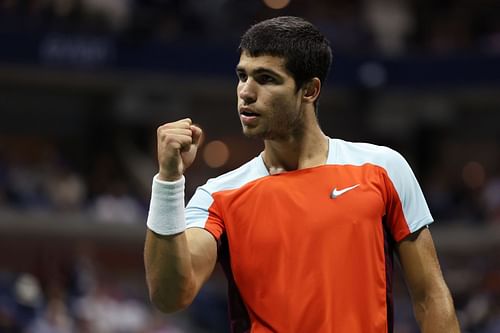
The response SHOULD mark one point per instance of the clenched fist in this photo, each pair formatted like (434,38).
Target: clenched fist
(177,146)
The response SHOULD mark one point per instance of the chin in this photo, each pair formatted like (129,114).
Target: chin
(250,134)
(253,133)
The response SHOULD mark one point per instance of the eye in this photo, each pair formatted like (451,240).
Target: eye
(265,79)
(242,76)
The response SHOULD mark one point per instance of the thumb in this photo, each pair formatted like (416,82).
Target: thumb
(197,135)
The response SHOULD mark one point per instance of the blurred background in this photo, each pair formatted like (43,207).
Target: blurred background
(85,83)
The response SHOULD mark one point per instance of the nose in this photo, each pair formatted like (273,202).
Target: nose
(246,91)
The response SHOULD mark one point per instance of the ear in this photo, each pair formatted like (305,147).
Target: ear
(311,90)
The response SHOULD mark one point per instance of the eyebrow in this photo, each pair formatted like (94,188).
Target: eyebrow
(259,70)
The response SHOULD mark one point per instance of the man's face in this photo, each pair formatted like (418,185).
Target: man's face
(268,103)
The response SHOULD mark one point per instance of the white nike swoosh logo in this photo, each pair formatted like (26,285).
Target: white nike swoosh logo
(336,193)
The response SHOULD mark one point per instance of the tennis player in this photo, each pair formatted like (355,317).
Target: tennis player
(305,231)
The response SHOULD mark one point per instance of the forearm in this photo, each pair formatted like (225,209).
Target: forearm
(436,314)
(177,261)
(169,272)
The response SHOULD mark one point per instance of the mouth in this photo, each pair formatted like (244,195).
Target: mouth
(248,116)
(247,112)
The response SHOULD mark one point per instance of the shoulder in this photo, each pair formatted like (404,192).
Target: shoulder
(250,171)
(360,153)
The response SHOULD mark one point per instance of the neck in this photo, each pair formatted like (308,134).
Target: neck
(305,150)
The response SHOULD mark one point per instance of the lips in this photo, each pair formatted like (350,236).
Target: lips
(248,112)
(248,116)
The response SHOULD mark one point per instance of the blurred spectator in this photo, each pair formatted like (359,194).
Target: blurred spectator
(35,176)
(111,197)
(391,22)
(117,205)
(397,27)
(65,189)
(115,12)
(55,318)
(103,313)
(25,184)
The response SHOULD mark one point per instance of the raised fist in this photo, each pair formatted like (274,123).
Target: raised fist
(177,146)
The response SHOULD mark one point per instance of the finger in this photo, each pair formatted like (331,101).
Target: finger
(185,120)
(183,123)
(176,131)
(197,134)
(179,140)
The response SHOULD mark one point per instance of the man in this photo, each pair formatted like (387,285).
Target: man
(306,230)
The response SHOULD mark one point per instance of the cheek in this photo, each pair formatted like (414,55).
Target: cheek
(284,104)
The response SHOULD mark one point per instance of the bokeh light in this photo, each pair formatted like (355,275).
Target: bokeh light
(276,4)
(216,154)
(473,174)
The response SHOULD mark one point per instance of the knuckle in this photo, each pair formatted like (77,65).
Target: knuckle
(171,141)
(176,134)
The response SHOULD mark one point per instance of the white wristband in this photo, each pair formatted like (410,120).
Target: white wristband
(166,209)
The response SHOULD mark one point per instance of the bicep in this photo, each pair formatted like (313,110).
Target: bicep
(420,264)
(203,249)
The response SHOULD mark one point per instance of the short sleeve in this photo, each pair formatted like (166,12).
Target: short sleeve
(202,212)
(406,210)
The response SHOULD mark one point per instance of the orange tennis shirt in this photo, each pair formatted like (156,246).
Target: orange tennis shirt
(310,250)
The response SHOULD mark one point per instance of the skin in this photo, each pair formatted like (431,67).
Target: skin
(177,265)
(285,118)
(431,299)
